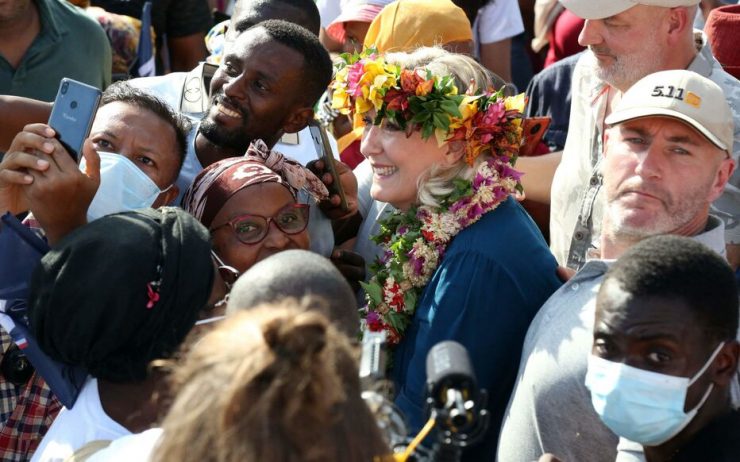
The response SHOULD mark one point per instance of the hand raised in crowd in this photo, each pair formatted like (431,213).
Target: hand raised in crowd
(351,265)
(332,206)
(60,195)
(21,159)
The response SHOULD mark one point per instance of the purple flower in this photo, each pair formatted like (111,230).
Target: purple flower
(441,251)
(478,180)
(460,204)
(475,211)
(508,171)
(417,263)
(386,257)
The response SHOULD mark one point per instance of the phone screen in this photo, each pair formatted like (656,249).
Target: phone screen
(72,115)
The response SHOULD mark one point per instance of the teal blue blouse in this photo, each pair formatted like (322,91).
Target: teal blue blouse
(494,277)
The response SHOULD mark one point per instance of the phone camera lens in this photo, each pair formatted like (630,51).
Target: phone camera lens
(65,85)
(73,104)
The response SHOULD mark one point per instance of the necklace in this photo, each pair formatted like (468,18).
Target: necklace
(414,243)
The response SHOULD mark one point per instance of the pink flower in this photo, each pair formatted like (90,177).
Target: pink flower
(494,113)
(354,77)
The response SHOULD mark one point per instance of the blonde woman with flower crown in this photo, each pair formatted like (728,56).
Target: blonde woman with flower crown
(462,260)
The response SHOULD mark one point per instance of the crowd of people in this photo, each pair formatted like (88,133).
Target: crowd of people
(266,184)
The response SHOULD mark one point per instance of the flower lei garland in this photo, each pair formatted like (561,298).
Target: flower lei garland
(414,242)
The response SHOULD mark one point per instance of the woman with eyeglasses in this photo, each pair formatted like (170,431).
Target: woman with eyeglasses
(250,206)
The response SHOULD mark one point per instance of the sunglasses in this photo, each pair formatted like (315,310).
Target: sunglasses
(229,274)
(251,229)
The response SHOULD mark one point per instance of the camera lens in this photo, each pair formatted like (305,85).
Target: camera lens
(65,85)
(73,104)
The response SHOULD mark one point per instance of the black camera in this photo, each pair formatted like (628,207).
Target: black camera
(454,401)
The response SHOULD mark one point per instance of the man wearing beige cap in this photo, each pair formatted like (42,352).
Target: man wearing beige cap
(627,40)
(666,158)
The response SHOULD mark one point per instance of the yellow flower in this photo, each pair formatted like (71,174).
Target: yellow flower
(468,108)
(340,100)
(381,81)
(376,76)
(362,104)
(515,102)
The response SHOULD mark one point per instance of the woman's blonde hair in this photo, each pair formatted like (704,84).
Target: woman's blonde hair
(438,181)
(277,383)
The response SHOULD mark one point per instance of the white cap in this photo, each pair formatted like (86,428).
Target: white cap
(682,95)
(600,9)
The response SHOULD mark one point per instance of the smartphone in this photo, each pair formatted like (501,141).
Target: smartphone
(533,128)
(323,148)
(72,115)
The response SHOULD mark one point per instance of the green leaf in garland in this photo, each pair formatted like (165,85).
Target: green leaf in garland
(398,321)
(451,108)
(427,131)
(420,118)
(409,299)
(442,121)
(373,291)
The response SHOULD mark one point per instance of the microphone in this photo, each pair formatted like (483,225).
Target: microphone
(452,389)
(377,391)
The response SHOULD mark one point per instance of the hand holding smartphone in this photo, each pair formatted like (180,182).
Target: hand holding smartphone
(73,113)
(323,148)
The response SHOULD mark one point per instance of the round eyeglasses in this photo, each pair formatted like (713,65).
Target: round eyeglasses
(251,229)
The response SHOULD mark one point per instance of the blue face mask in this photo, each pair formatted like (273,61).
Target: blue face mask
(123,187)
(643,406)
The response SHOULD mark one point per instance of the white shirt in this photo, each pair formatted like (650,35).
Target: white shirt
(498,20)
(138,447)
(73,428)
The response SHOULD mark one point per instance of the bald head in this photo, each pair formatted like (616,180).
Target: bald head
(247,13)
(298,274)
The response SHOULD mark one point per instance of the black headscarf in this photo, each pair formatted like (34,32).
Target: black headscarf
(121,291)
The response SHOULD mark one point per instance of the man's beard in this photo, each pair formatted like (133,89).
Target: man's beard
(233,139)
(625,70)
(676,213)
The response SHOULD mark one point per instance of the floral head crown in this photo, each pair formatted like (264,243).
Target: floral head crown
(416,99)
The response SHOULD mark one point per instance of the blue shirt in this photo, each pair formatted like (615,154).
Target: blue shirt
(493,279)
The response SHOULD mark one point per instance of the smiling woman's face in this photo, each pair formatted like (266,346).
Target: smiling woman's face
(398,161)
(266,200)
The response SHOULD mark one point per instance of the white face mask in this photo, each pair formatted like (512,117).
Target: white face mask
(123,187)
(643,406)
